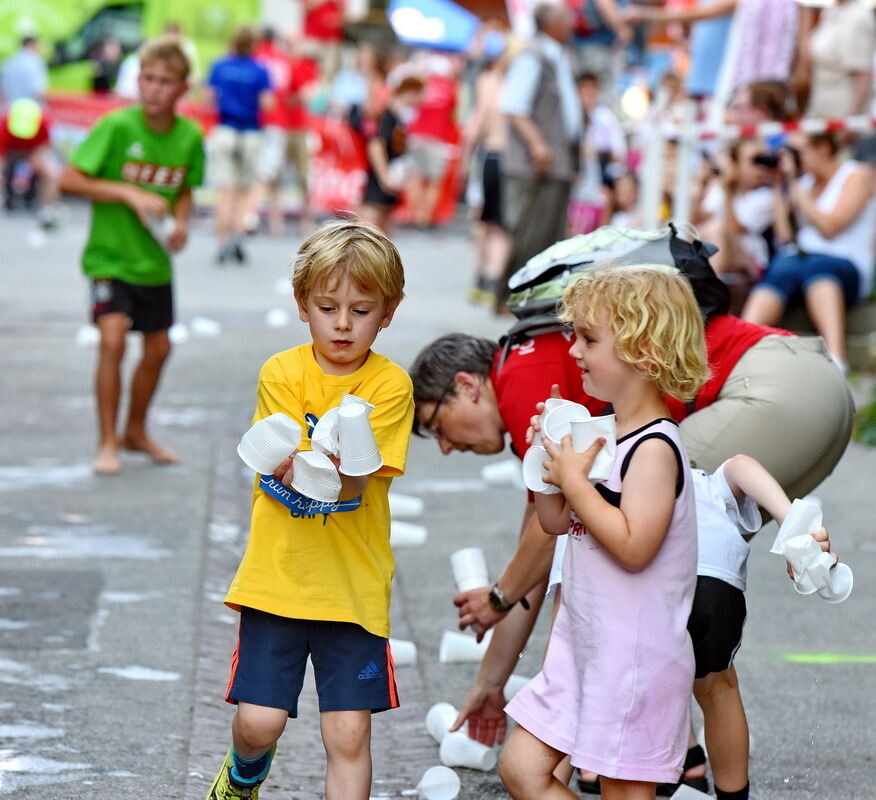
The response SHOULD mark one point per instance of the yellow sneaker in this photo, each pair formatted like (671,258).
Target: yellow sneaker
(224,788)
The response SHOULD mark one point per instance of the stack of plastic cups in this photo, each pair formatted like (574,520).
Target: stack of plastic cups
(457,648)
(314,476)
(469,568)
(359,452)
(267,443)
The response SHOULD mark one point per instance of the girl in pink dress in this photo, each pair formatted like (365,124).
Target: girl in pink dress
(614,691)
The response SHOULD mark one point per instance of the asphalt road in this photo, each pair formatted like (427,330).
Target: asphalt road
(113,638)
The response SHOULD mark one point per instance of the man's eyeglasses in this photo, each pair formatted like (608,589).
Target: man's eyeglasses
(429,429)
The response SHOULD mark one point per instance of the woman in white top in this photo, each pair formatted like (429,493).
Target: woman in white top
(831,265)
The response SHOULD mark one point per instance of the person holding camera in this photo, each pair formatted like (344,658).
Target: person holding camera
(829,264)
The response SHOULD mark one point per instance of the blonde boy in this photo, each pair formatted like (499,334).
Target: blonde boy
(138,165)
(316,580)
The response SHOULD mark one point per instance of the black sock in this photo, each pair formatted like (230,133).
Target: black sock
(739,794)
(248,770)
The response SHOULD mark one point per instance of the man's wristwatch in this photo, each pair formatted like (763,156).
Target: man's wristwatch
(499,603)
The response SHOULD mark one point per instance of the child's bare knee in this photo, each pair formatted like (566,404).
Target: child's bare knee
(346,734)
(714,685)
(256,727)
(514,775)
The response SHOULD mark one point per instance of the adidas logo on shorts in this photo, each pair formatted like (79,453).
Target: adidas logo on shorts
(369,671)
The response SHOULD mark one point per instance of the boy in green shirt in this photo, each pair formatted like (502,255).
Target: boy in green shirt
(138,165)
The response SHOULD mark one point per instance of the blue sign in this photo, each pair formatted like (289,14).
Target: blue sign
(440,24)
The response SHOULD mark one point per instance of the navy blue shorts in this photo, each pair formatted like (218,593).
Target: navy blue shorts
(353,668)
(791,275)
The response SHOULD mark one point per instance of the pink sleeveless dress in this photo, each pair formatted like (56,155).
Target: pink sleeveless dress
(615,688)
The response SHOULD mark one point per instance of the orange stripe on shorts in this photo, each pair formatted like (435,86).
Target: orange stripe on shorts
(235,657)
(390,673)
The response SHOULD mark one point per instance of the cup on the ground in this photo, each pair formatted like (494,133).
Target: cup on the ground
(513,685)
(314,476)
(403,652)
(439,718)
(406,534)
(458,750)
(405,506)
(585,431)
(267,443)
(685,792)
(502,472)
(469,567)
(839,586)
(358,447)
(438,783)
(457,648)
(534,472)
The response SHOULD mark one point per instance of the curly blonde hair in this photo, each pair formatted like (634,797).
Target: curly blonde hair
(655,320)
(355,249)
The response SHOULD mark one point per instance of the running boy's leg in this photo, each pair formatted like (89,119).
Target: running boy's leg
(527,765)
(726,728)
(255,728)
(346,736)
(156,349)
(113,328)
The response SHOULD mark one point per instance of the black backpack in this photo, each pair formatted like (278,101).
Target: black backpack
(536,288)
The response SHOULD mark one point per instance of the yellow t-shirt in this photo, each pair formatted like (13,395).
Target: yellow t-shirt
(338,566)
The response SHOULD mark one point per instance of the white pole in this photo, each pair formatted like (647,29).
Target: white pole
(652,164)
(684,164)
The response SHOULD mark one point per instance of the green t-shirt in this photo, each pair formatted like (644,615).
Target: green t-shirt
(121,147)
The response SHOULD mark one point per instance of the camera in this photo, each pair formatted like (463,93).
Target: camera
(769,160)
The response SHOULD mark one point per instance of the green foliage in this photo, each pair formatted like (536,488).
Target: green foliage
(865,423)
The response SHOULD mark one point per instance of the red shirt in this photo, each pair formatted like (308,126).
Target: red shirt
(728,338)
(435,114)
(526,379)
(12,144)
(324,22)
(289,75)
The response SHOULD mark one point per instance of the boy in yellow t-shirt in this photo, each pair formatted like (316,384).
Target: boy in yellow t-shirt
(315,578)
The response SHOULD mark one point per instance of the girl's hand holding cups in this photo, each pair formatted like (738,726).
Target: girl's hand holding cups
(566,467)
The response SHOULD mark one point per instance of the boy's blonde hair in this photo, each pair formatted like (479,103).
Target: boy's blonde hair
(654,317)
(355,249)
(168,50)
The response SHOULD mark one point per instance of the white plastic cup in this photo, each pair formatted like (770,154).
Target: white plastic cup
(405,506)
(351,399)
(556,422)
(460,648)
(324,437)
(458,750)
(469,567)
(358,447)
(685,792)
(406,534)
(314,476)
(513,685)
(204,326)
(178,333)
(438,783)
(439,718)
(502,472)
(404,652)
(534,472)
(269,442)
(585,431)
(839,586)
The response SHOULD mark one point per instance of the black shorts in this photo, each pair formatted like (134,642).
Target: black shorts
(149,308)
(353,668)
(715,624)
(375,195)
(491,211)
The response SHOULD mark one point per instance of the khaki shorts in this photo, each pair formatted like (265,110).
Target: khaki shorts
(278,147)
(786,404)
(428,157)
(233,157)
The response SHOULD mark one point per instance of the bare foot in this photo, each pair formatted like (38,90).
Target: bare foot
(143,444)
(107,461)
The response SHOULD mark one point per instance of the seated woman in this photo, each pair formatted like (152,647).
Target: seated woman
(829,266)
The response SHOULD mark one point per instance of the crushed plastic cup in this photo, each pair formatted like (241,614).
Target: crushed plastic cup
(349,399)
(206,327)
(458,750)
(405,506)
(438,783)
(324,438)
(439,718)
(534,472)
(358,447)
(404,652)
(469,567)
(513,685)
(314,476)
(178,333)
(556,423)
(555,402)
(585,431)
(406,534)
(267,443)
(839,585)
(503,472)
(460,648)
